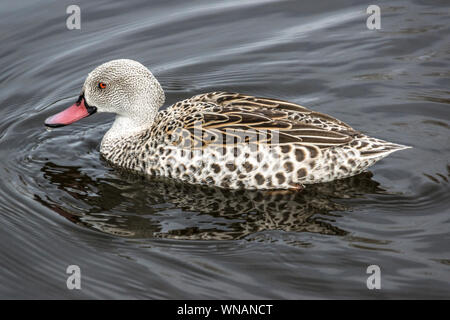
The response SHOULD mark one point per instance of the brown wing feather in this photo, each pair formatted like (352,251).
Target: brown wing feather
(238,117)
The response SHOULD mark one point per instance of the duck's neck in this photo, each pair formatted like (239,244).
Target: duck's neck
(139,115)
(126,127)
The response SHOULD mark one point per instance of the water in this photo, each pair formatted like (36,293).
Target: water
(60,204)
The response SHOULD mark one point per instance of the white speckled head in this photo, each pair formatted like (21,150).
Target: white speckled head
(124,87)
(127,88)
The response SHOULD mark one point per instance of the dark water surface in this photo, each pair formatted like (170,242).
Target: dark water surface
(60,204)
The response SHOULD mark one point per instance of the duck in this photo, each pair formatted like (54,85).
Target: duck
(221,139)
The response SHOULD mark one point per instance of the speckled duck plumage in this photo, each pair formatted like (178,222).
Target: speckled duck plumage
(228,140)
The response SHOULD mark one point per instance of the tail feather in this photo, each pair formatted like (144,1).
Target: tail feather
(376,148)
(384,151)
(359,155)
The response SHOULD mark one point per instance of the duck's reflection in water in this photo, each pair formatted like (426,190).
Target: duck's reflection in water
(137,207)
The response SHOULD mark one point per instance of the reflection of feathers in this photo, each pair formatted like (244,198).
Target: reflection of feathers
(207,213)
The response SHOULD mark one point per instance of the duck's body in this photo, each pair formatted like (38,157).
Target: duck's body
(232,140)
(311,147)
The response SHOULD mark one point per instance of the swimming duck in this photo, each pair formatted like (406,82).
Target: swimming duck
(229,140)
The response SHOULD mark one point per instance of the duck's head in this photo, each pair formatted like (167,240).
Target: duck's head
(124,87)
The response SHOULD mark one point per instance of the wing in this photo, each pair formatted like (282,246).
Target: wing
(218,118)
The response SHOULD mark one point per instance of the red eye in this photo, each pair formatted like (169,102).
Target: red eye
(102,85)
